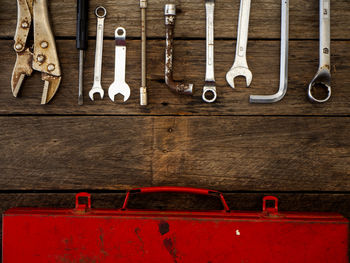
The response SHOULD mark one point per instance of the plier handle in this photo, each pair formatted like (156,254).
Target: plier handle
(42,56)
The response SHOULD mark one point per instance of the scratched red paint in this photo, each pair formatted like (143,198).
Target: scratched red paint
(124,235)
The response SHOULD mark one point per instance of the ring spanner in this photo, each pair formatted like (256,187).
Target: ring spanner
(322,78)
(209,89)
(119,85)
(96,87)
(283,60)
(240,66)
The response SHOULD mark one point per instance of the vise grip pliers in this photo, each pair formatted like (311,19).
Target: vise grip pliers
(42,56)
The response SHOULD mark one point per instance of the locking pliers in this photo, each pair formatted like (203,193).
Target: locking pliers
(42,56)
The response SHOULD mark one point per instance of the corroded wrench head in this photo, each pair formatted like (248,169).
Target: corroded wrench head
(236,71)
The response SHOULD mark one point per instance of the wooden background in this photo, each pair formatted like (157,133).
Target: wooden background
(293,149)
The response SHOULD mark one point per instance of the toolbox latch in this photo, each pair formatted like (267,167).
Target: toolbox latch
(270,209)
(82,206)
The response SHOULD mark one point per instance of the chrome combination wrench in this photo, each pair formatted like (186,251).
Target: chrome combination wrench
(209,89)
(322,78)
(240,66)
(96,87)
(119,86)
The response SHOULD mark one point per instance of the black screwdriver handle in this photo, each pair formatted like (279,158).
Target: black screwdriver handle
(82,24)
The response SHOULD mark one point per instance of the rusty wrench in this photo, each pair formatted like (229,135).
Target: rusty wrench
(96,87)
(323,76)
(240,66)
(283,60)
(179,87)
(209,89)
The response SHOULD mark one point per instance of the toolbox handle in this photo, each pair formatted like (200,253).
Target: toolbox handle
(79,206)
(272,210)
(176,189)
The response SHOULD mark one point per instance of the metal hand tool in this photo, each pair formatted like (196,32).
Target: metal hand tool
(42,56)
(179,87)
(209,89)
(240,66)
(82,41)
(119,85)
(322,78)
(143,88)
(283,60)
(96,87)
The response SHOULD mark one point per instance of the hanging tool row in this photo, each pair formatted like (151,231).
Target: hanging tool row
(43,56)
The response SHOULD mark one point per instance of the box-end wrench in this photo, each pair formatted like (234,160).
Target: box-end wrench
(322,78)
(119,85)
(96,87)
(209,89)
(283,60)
(240,66)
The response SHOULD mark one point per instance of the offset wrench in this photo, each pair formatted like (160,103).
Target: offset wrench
(283,60)
(209,89)
(119,85)
(96,87)
(322,78)
(240,66)
(179,87)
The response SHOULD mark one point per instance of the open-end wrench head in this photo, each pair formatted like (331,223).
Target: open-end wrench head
(119,88)
(322,80)
(96,90)
(239,71)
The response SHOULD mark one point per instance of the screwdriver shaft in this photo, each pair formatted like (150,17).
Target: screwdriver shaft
(81,75)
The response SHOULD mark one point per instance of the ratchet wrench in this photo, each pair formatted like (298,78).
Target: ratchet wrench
(322,78)
(96,87)
(240,66)
(209,89)
(283,60)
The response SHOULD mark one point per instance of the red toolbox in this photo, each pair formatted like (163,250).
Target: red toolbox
(84,234)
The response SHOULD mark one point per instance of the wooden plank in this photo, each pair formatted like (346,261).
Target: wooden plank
(189,63)
(264,19)
(224,153)
(75,152)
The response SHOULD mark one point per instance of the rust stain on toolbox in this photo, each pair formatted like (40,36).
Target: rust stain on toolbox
(84,234)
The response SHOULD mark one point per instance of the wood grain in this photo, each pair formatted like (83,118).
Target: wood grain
(263,59)
(224,153)
(264,18)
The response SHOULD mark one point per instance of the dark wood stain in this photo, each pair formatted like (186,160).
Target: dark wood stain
(295,150)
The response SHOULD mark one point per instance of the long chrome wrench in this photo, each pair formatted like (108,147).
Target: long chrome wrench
(209,89)
(323,76)
(119,86)
(240,66)
(283,60)
(97,87)
(143,88)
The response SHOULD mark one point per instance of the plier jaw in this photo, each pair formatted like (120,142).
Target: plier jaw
(44,57)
